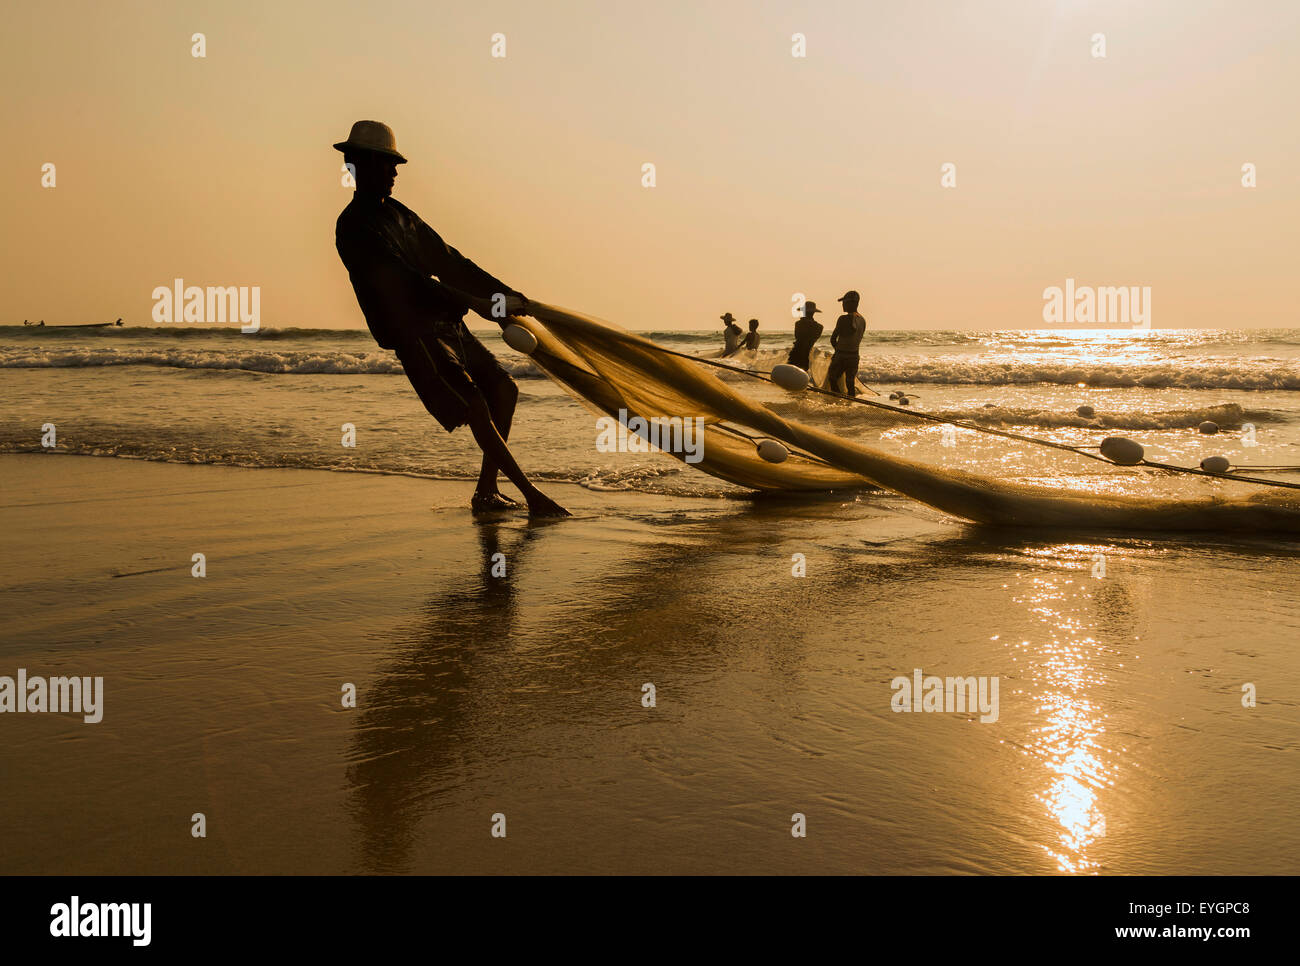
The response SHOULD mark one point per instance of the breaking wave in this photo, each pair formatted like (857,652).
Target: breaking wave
(1243,374)
(1227,416)
(287,363)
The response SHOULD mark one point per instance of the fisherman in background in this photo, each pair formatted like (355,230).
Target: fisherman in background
(753,338)
(731,334)
(807,331)
(846,339)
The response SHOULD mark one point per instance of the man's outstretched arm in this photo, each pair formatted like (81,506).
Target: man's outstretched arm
(457,271)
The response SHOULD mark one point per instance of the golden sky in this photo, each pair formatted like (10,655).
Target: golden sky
(775,174)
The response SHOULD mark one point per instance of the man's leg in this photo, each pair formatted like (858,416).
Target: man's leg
(501,404)
(495,449)
(851,376)
(833,374)
(444,386)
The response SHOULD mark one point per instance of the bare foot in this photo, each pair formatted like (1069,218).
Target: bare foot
(491,503)
(541,505)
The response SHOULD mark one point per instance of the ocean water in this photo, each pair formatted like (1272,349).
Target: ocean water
(280,398)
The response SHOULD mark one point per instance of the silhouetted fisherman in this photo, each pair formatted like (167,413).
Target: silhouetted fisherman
(731,334)
(390,255)
(807,331)
(847,338)
(753,338)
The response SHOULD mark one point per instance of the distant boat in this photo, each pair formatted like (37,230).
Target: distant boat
(79,325)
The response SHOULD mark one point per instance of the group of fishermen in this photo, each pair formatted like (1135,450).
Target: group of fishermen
(846,342)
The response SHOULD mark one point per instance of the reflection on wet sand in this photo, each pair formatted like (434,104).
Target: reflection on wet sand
(469,672)
(1070,740)
(1091,621)
(413,721)
(488,662)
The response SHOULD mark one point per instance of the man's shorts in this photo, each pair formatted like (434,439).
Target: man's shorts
(845,365)
(448,366)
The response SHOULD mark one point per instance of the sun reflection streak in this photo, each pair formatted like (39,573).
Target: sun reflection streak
(1069,741)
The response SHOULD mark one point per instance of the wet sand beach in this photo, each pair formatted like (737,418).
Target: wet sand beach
(1121,745)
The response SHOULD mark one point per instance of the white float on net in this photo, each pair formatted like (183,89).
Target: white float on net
(519,338)
(1121,450)
(790,378)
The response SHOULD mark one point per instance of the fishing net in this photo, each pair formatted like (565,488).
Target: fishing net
(829,443)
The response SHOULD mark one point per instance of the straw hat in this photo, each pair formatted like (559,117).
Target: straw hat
(372,136)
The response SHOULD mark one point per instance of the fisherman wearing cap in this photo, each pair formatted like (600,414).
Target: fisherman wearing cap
(807,331)
(731,334)
(390,255)
(846,339)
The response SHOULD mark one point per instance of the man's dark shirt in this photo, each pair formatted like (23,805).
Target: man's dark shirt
(847,337)
(390,253)
(806,333)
